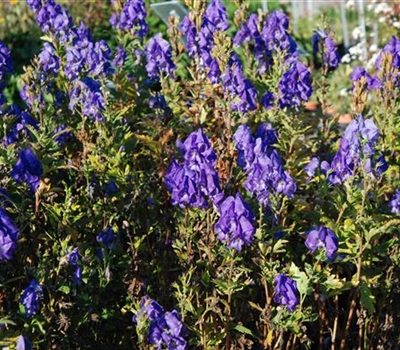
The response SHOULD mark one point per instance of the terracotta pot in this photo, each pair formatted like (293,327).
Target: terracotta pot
(345,118)
(311,106)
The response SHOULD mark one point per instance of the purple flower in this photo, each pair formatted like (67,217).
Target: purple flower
(197,148)
(188,29)
(133,16)
(295,85)
(268,100)
(276,37)
(164,329)
(173,336)
(369,133)
(98,59)
(245,142)
(214,74)
(85,57)
(201,42)
(235,225)
(77,52)
(197,178)
(73,260)
(34,5)
(286,292)
(249,32)
(262,163)
(394,203)
(360,73)
(73,257)
(48,60)
(23,343)
(20,128)
(52,17)
(107,237)
(7,247)
(380,165)
(216,14)
(391,48)
(111,188)
(311,167)
(120,57)
(185,187)
(157,101)
(30,298)
(3,100)
(214,19)
(28,169)
(159,57)
(323,237)
(315,39)
(330,56)
(32,93)
(87,93)
(8,236)
(267,134)
(182,185)
(242,91)
(5,61)
(149,309)
(246,98)
(356,147)
(62,135)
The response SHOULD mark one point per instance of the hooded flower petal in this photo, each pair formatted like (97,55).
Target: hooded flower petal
(30,298)
(323,237)
(235,225)
(28,169)
(286,292)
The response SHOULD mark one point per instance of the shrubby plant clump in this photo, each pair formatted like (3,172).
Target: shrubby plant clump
(173,192)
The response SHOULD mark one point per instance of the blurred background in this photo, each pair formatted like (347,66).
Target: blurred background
(360,29)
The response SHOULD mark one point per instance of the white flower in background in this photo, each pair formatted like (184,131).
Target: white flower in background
(346,58)
(356,52)
(396,24)
(383,8)
(350,4)
(371,62)
(357,33)
(343,92)
(373,48)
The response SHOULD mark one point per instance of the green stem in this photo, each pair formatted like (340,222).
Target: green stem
(228,316)
(335,322)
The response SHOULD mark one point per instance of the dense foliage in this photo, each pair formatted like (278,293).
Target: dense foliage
(172,191)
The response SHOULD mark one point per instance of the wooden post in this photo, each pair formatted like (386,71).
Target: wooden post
(343,19)
(361,20)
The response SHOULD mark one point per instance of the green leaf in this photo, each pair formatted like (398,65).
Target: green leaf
(335,286)
(333,283)
(6,321)
(279,246)
(301,279)
(382,228)
(255,306)
(243,329)
(367,298)
(64,289)
(46,38)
